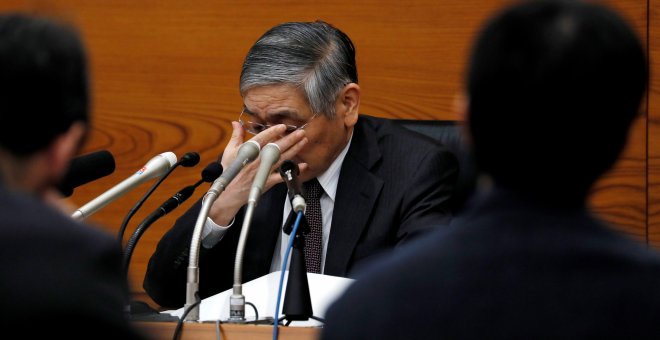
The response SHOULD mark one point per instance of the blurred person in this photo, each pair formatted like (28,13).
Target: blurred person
(59,277)
(552,90)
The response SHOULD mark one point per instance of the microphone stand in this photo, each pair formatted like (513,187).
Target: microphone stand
(138,204)
(163,210)
(268,157)
(192,284)
(128,252)
(141,228)
(297,304)
(246,153)
(237,299)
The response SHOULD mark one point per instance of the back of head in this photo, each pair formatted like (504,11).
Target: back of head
(313,56)
(553,88)
(43,82)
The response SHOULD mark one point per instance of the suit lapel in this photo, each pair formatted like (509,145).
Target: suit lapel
(357,191)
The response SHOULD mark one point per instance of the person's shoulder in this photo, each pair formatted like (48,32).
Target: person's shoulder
(630,251)
(28,217)
(392,282)
(394,269)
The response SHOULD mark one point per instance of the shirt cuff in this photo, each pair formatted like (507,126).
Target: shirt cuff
(213,233)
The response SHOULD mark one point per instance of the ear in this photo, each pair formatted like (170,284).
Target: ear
(348,104)
(64,148)
(461,106)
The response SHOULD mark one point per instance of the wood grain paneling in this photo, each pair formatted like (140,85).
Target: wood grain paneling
(654,126)
(165,78)
(620,196)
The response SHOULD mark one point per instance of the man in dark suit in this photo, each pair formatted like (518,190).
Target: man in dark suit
(59,277)
(381,184)
(552,89)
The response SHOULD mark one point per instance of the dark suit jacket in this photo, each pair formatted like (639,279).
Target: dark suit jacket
(508,268)
(59,277)
(393,184)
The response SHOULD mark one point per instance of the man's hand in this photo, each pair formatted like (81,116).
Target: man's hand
(236,194)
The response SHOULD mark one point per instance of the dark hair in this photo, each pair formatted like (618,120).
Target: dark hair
(313,56)
(43,82)
(553,88)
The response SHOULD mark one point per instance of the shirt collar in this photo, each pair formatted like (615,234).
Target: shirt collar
(330,177)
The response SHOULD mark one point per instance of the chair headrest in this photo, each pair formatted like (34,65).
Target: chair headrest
(450,134)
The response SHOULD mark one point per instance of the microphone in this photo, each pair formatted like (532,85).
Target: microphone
(269,156)
(86,168)
(209,174)
(247,152)
(188,160)
(156,167)
(212,172)
(289,171)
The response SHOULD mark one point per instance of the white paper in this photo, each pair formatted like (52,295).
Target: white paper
(262,292)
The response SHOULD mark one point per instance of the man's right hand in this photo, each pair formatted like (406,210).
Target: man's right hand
(236,194)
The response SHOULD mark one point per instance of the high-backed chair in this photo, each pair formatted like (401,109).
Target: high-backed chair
(449,133)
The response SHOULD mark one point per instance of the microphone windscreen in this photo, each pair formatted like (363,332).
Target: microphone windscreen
(86,168)
(289,165)
(189,159)
(211,172)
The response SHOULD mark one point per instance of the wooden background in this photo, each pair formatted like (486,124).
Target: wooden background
(165,78)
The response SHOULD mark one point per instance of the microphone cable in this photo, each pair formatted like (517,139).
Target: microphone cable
(209,174)
(294,232)
(186,311)
(190,159)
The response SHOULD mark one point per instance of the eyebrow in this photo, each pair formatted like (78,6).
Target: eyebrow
(293,114)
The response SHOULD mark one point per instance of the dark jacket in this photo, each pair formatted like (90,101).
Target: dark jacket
(393,185)
(59,277)
(509,268)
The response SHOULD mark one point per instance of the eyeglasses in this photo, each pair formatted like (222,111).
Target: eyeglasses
(256,128)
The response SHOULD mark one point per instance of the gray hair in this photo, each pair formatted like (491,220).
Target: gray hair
(313,56)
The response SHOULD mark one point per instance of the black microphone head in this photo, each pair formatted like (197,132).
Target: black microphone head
(86,168)
(189,159)
(289,172)
(212,172)
(289,165)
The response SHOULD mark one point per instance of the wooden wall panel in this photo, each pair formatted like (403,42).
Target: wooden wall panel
(654,126)
(165,78)
(620,196)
